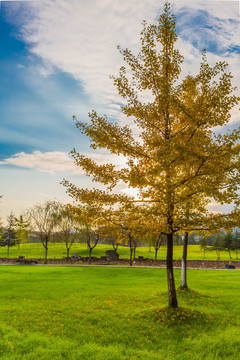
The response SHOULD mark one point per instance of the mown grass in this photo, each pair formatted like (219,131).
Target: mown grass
(58,250)
(116,314)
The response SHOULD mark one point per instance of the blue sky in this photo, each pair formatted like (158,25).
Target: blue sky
(55,60)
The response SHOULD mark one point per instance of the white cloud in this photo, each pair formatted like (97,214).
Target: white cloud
(50,162)
(56,161)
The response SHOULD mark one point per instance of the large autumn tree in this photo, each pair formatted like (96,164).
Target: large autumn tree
(175,157)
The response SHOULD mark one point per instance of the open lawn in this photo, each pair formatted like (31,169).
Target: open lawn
(116,314)
(58,251)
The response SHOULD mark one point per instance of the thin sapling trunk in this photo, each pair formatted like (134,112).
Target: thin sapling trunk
(184,263)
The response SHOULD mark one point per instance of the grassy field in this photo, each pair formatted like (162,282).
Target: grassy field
(85,313)
(58,250)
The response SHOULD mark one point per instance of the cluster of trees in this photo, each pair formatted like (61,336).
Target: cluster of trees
(175,158)
(229,241)
(48,221)
(53,221)
(15,232)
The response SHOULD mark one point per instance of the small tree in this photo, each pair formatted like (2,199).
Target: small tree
(157,243)
(218,244)
(152,230)
(229,242)
(110,235)
(22,229)
(203,242)
(45,218)
(67,226)
(9,237)
(131,223)
(91,237)
(89,224)
(236,243)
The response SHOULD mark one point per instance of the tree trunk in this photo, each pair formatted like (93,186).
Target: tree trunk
(115,247)
(150,246)
(90,255)
(131,249)
(184,263)
(8,251)
(172,296)
(134,254)
(68,253)
(46,253)
(156,251)
(229,252)
(131,256)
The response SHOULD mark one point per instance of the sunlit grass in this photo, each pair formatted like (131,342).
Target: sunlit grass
(116,313)
(58,251)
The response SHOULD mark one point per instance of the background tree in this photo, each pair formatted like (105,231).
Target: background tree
(91,236)
(157,242)
(203,242)
(113,240)
(133,227)
(9,237)
(176,154)
(195,217)
(90,224)
(229,242)
(45,218)
(152,231)
(68,227)
(236,242)
(128,225)
(22,228)
(218,244)
(112,235)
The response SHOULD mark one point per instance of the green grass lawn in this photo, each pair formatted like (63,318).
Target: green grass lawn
(58,250)
(116,314)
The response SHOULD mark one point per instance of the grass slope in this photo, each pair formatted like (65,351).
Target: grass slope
(58,250)
(116,314)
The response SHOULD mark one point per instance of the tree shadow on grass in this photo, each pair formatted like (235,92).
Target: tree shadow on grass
(179,316)
(183,316)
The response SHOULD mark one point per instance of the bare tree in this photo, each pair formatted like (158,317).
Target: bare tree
(44,218)
(91,237)
(157,241)
(68,227)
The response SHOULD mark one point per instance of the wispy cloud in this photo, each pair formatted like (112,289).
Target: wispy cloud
(50,162)
(57,161)
(80,37)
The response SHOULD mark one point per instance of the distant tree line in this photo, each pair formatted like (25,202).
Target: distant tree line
(54,222)
(221,241)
